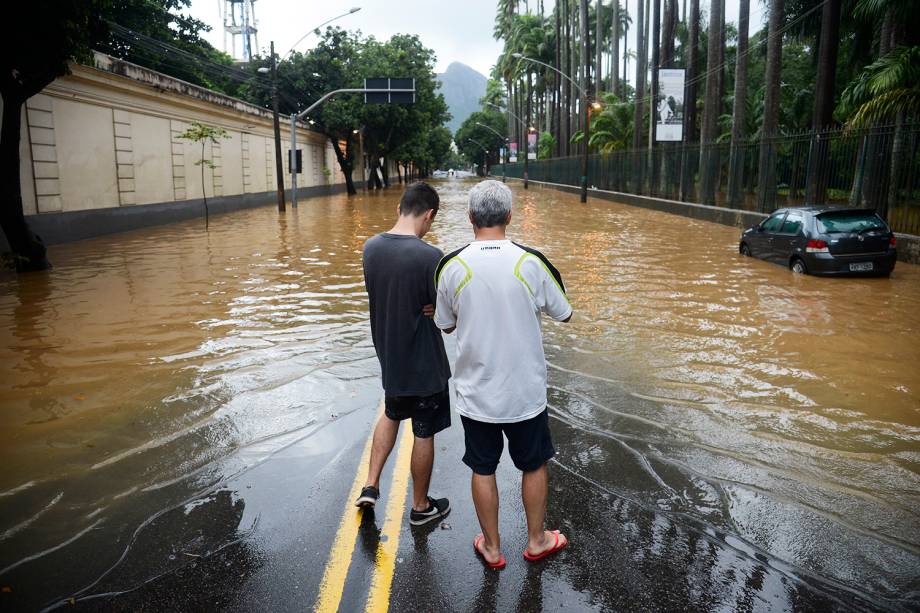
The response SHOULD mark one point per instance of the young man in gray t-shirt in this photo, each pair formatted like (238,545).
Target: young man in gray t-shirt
(399,271)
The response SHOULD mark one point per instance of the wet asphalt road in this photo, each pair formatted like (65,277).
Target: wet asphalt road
(707,459)
(623,556)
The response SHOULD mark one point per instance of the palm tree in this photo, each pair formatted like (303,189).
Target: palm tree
(739,106)
(689,127)
(614,46)
(640,77)
(766,188)
(816,189)
(712,107)
(887,88)
(611,129)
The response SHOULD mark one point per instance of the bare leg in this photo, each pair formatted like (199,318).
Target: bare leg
(485,499)
(384,438)
(422,462)
(533,491)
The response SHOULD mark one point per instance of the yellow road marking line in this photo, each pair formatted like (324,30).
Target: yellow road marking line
(378,600)
(333,582)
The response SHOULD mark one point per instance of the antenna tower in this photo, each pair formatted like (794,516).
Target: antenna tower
(240,20)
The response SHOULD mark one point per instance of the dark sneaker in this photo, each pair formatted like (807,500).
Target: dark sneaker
(368,497)
(436,509)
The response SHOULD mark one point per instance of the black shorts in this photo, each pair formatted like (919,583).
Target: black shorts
(529,443)
(430,414)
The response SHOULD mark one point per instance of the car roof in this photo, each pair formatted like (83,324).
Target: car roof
(817,209)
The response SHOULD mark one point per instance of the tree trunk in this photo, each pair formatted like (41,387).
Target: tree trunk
(598,46)
(739,108)
(766,187)
(710,131)
(640,76)
(669,23)
(557,85)
(829,43)
(689,127)
(615,49)
(28,250)
(653,165)
(344,159)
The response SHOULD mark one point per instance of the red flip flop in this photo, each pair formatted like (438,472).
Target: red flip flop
(556,547)
(496,565)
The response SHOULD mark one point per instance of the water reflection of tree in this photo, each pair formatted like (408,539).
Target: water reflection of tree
(31,331)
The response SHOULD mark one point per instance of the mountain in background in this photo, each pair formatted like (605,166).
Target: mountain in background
(462,88)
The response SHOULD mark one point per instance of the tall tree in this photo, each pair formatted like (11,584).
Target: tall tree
(598,48)
(46,36)
(769,126)
(739,106)
(712,106)
(615,47)
(829,43)
(640,77)
(668,33)
(689,127)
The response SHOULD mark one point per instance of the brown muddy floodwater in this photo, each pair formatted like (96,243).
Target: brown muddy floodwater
(781,410)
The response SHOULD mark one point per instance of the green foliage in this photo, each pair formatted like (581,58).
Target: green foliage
(546,144)
(471,137)
(886,88)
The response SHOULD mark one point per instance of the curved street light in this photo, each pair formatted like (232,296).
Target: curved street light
(350,11)
(529,130)
(505,139)
(587,118)
(485,151)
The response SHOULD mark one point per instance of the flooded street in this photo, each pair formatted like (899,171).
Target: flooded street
(757,429)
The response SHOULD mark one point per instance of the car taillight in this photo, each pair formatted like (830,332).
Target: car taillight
(893,240)
(816,246)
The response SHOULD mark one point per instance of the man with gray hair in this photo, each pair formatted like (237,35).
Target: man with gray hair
(492,293)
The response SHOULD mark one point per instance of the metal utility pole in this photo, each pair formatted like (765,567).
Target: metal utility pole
(292,160)
(276,124)
(386,92)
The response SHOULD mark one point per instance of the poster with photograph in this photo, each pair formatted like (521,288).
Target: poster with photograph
(669,105)
(532,146)
(513,157)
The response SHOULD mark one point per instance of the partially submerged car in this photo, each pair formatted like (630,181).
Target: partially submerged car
(824,240)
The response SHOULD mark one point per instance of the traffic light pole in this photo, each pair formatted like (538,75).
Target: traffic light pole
(305,112)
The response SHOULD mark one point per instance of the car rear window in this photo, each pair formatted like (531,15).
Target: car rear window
(846,222)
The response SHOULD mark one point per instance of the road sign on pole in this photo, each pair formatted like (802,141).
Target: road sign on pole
(392,91)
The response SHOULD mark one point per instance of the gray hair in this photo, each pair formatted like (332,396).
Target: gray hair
(490,203)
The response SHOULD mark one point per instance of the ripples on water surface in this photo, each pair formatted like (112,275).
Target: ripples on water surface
(149,368)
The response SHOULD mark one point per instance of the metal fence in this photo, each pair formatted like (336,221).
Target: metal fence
(877,168)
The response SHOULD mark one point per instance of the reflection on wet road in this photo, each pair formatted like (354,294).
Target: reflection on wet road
(744,434)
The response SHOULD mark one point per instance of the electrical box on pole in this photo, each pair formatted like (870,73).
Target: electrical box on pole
(298,165)
(392,91)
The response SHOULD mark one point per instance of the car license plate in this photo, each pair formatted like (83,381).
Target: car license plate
(861,267)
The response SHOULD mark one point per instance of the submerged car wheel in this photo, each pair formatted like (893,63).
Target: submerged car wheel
(744,250)
(798,266)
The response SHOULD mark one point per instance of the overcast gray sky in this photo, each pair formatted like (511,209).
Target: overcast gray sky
(457,30)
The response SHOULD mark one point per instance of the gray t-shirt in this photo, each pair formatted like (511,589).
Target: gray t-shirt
(399,276)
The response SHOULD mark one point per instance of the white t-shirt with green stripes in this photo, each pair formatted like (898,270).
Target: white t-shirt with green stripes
(494,292)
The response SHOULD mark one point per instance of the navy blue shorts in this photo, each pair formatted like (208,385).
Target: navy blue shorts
(429,414)
(529,443)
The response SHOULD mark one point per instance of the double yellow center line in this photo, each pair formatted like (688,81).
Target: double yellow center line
(336,572)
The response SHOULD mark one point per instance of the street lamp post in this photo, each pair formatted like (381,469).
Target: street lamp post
(586,110)
(293,160)
(485,163)
(527,128)
(504,139)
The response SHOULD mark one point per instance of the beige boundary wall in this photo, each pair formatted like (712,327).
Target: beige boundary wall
(106,137)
